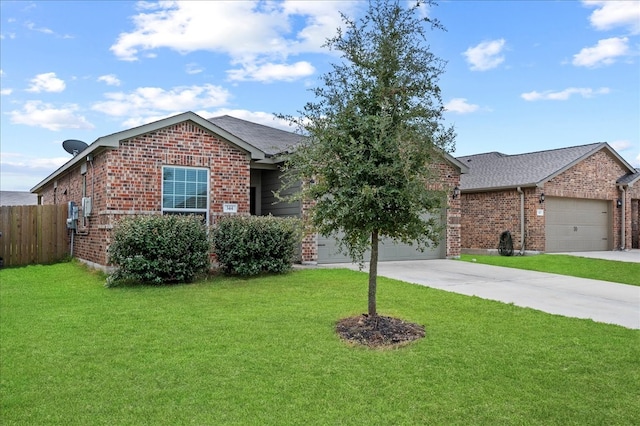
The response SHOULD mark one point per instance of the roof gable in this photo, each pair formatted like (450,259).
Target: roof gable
(493,170)
(113,140)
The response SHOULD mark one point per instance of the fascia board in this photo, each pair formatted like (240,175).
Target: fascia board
(457,163)
(498,188)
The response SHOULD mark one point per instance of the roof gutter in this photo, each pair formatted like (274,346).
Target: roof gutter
(623,217)
(521,220)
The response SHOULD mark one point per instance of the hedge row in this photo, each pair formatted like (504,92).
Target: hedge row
(174,248)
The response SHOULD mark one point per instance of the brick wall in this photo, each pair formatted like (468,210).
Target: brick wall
(486,215)
(448,177)
(128,181)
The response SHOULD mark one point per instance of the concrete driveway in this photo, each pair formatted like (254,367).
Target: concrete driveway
(600,301)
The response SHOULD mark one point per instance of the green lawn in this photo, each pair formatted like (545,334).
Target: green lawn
(263,351)
(598,269)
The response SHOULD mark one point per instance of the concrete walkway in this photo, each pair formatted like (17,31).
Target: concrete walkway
(600,301)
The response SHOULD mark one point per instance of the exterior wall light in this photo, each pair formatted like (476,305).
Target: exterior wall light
(456,193)
(542,198)
(618,203)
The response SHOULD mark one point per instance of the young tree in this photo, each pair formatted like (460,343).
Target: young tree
(374,132)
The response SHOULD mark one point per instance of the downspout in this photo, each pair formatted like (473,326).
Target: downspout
(623,225)
(521,221)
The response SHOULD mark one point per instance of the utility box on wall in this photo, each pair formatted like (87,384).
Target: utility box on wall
(72,216)
(86,206)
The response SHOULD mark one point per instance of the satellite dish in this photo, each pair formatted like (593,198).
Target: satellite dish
(74,146)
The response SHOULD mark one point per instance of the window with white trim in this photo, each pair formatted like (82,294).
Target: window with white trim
(185,190)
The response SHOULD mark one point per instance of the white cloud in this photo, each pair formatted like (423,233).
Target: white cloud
(626,145)
(6,92)
(259,117)
(250,32)
(486,55)
(109,79)
(620,145)
(272,72)
(19,160)
(613,14)
(21,172)
(47,82)
(40,114)
(603,53)
(193,68)
(32,27)
(460,106)
(145,102)
(563,95)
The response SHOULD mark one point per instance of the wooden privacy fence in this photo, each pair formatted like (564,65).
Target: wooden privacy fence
(33,234)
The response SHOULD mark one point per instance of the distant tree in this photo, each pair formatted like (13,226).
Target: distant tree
(375,133)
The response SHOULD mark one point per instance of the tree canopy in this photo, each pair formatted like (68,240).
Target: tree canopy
(374,133)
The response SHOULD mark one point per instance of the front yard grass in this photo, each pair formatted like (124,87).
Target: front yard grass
(597,269)
(264,351)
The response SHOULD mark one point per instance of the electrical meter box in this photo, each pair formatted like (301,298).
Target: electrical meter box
(72,215)
(86,206)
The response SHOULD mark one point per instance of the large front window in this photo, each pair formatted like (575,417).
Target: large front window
(185,190)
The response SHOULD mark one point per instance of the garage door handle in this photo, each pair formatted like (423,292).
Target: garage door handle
(321,245)
(575,229)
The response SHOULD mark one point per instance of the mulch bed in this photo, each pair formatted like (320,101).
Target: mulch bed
(378,331)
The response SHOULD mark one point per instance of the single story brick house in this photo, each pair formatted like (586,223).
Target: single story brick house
(188,164)
(581,198)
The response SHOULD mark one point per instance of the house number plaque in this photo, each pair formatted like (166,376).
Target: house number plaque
(229,208)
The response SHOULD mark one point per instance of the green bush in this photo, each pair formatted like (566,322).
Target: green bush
(255,244)
(159,249)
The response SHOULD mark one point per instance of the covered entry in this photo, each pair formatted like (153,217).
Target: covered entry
(574,224)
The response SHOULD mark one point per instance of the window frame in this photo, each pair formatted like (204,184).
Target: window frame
(185,210)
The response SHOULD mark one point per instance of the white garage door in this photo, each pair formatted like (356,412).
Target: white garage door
(328,252)
(576,225)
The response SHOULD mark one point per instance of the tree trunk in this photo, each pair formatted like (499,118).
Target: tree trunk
(373,274)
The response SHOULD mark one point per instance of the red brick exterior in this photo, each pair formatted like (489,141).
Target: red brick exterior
(487,214)
(128,181)
(446,178)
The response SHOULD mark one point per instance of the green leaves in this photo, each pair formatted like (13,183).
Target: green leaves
(374,131)
(256,244)
(158,249)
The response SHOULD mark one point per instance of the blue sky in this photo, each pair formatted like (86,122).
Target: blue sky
(521,75)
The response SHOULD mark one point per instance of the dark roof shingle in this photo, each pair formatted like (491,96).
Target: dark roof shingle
(269,140)
(494,170)
(18,198)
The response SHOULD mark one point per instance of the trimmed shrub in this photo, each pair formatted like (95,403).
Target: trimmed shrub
(159,249)
(250,245)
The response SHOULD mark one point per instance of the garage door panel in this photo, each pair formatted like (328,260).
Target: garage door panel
(388,251)
(576,225)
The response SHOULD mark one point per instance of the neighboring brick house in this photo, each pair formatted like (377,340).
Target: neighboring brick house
(185,164)
(580,198)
